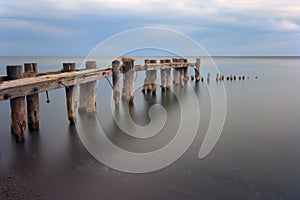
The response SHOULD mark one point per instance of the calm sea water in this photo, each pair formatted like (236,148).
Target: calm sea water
(256,157)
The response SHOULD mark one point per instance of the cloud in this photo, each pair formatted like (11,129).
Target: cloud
(215,20)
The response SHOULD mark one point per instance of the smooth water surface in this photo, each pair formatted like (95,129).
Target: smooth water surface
(256,157)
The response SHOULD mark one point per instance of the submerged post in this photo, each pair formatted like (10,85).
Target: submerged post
(116,80)
(17,105)
(33,113)
(197,69)
(70,95)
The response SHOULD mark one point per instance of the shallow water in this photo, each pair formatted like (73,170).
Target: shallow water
(256,156)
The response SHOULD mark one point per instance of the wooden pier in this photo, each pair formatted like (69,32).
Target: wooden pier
(17,85)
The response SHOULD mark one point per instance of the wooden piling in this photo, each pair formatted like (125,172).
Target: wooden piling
(33,113)
(116,80)
(163,77)
(70,95)
(87,98)
(91,92)
(147,86)
(197,69)
(186,73)
(181,72)
(168,75)
(17,105)
(168,78)
(153,78)
(208,77)
(176,76)
(128,79)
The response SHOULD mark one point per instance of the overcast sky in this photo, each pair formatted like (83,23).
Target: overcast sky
(223,27)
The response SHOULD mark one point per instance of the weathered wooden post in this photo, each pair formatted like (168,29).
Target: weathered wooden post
(185,71)
(197,69)
(17,105)
(128,80)
(168,75)
(163,74)
(33,113)
(116,80)
(147,85)
(87,98)
(181,72)
(71,95)
(176,74)
(91,92)
(153,78)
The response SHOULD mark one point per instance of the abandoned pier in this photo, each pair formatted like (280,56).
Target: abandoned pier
(18,86)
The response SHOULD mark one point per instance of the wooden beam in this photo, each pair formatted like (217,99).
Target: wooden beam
(33,85)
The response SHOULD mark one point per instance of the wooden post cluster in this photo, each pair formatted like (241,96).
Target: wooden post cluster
(88,87)
(71,94)
(88,94)
(17,105)
(33,107)
(116,81)
(128,79)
